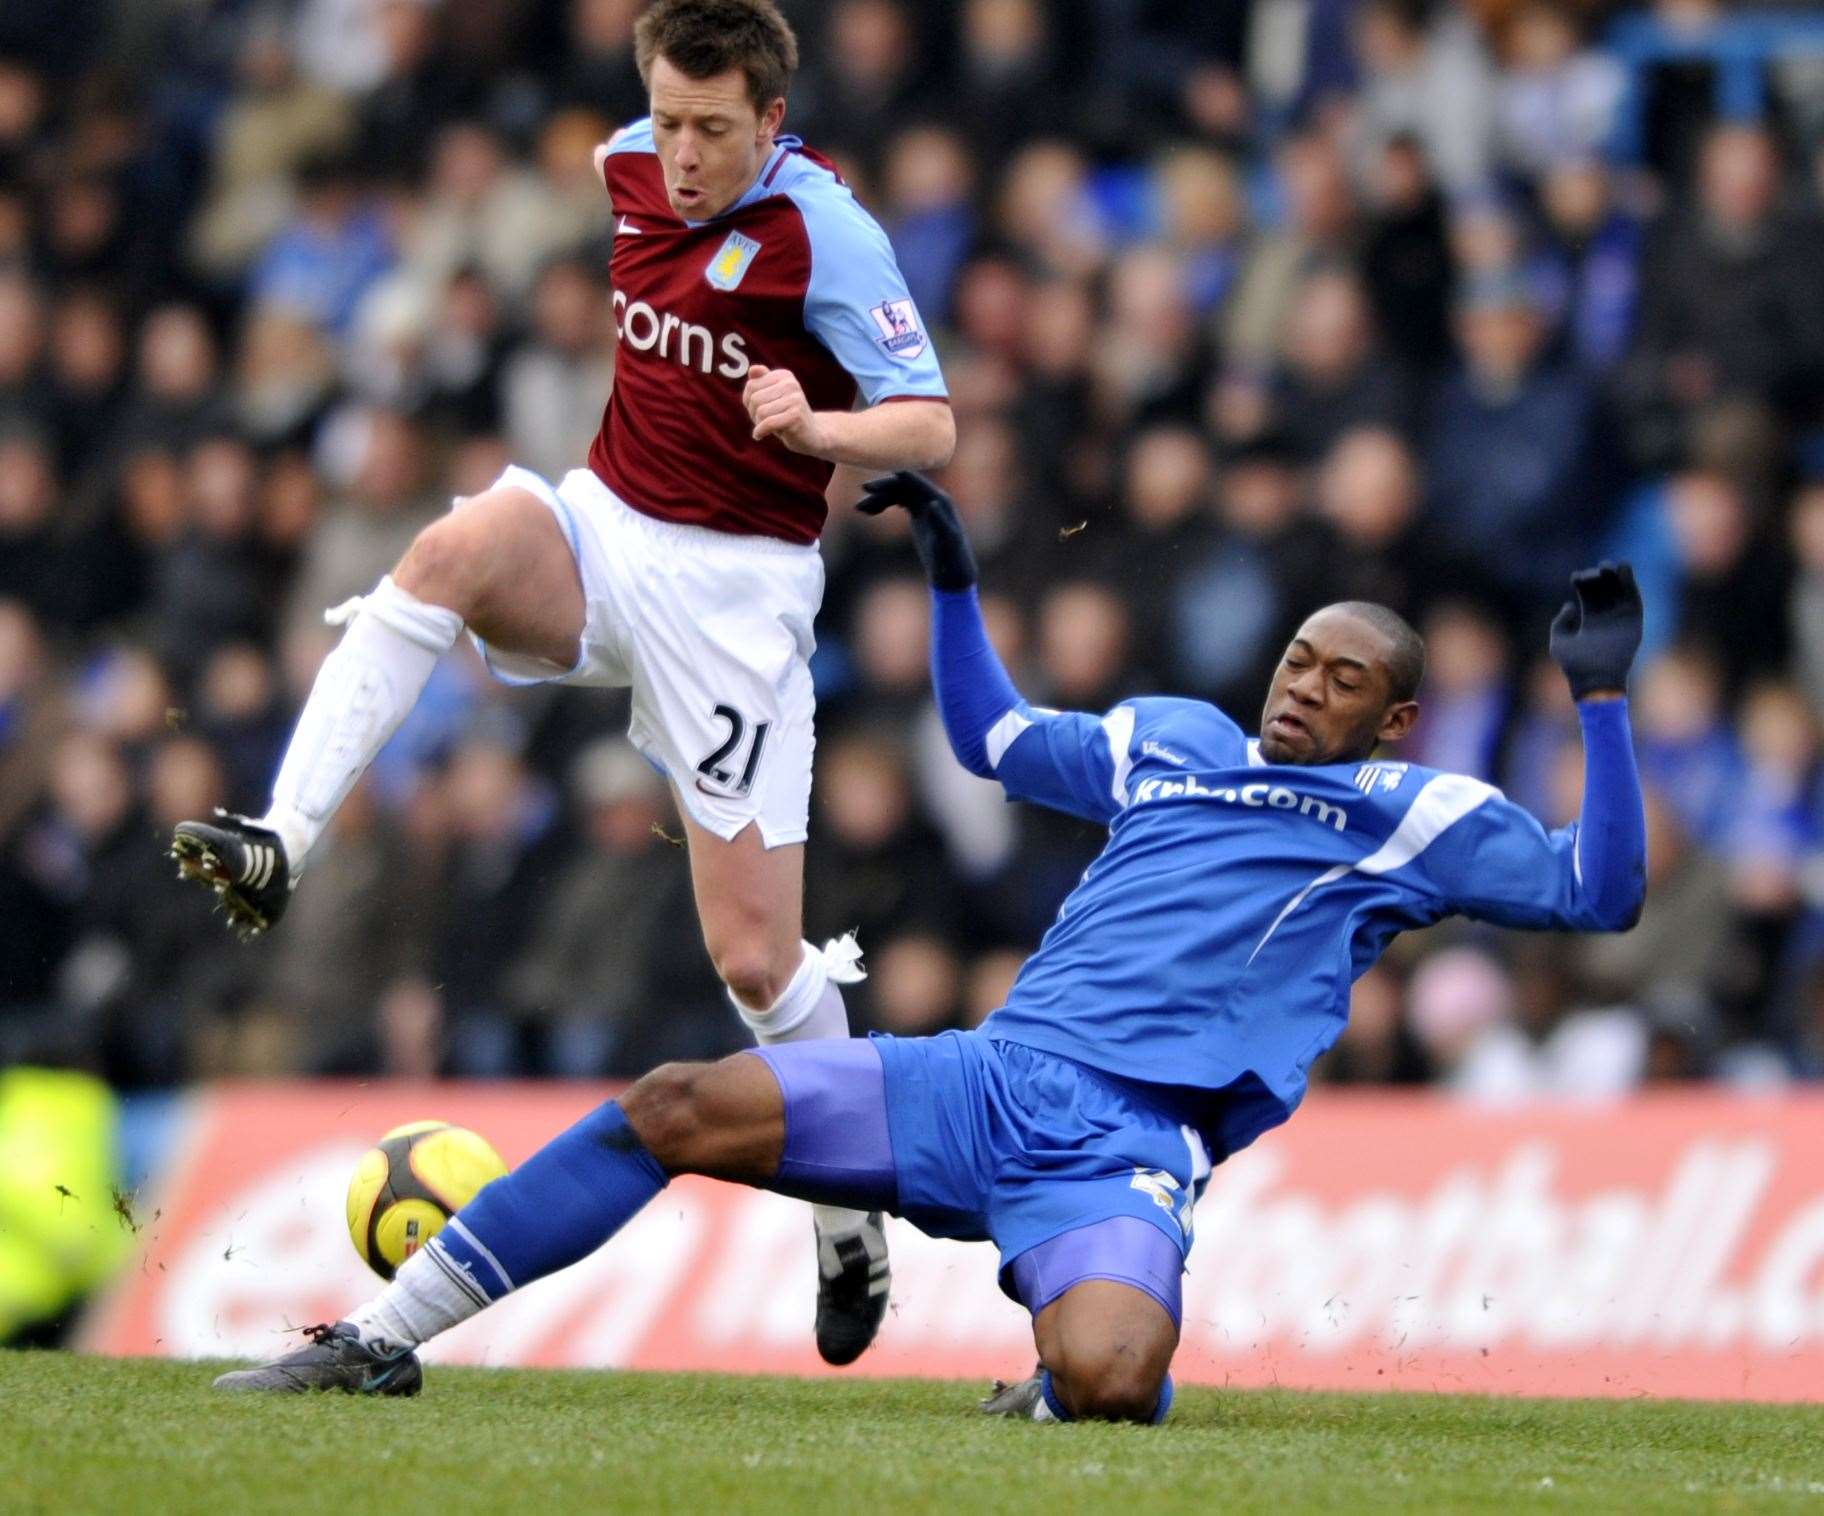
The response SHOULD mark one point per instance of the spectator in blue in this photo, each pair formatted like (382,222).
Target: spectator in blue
(1556,100)
(1203,218)
(1238,600)
(1591,263)
(1467,698)
(331,252)
(1687,749)
(1775,828)
(930,179)
(1516,460)
(502,855)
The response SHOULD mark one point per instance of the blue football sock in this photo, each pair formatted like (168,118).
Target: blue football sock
(557,1207)
(1164,1408)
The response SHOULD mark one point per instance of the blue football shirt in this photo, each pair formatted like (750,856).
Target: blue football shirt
(1211,945)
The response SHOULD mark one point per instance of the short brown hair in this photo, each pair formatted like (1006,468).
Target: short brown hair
(703,38)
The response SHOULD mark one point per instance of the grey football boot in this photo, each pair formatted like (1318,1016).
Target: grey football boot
(335,1358)
(1023,1400)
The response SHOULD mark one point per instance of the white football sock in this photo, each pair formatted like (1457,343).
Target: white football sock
(426,1297)
(811,1009)
(367,684)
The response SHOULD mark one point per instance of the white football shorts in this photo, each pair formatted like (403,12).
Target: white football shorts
(712,632)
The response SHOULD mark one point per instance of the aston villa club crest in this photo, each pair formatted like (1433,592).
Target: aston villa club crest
(732,261)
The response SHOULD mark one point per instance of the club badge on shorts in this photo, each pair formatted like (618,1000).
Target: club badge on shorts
(732,261)
(898,329)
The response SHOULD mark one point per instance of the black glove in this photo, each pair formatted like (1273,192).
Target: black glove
(943,547)
(1596,635)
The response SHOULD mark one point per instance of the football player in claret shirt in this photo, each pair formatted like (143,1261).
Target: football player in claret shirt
(756,304)
(1167,1019)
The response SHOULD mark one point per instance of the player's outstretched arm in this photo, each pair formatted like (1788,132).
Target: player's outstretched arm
(973,689)
(1489,859)
(1594,639)
(1066,760)
(910,432)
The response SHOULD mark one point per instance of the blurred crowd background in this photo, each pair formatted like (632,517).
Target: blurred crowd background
(1244,307)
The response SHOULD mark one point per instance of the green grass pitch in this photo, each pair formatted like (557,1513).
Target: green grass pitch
(114,1436)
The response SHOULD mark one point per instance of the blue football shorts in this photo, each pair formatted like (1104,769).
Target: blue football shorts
(1071,1173)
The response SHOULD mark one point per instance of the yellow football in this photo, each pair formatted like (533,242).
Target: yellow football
(411,1183)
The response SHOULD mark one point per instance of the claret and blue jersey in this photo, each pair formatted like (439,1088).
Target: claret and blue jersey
(1211,946)
(794,275)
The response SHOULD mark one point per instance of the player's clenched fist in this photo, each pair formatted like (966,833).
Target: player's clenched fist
(777,405)
(1597,634)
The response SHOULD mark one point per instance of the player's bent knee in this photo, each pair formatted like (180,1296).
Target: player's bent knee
(1109,1386)
(754,974)
(1108,1347)
(665,1110)
(447,565)
(724,1119)
(482,550)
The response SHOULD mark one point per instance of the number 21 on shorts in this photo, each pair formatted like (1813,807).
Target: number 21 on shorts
(726,768)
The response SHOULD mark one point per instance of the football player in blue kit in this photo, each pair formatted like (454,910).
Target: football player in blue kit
(1168,1018)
